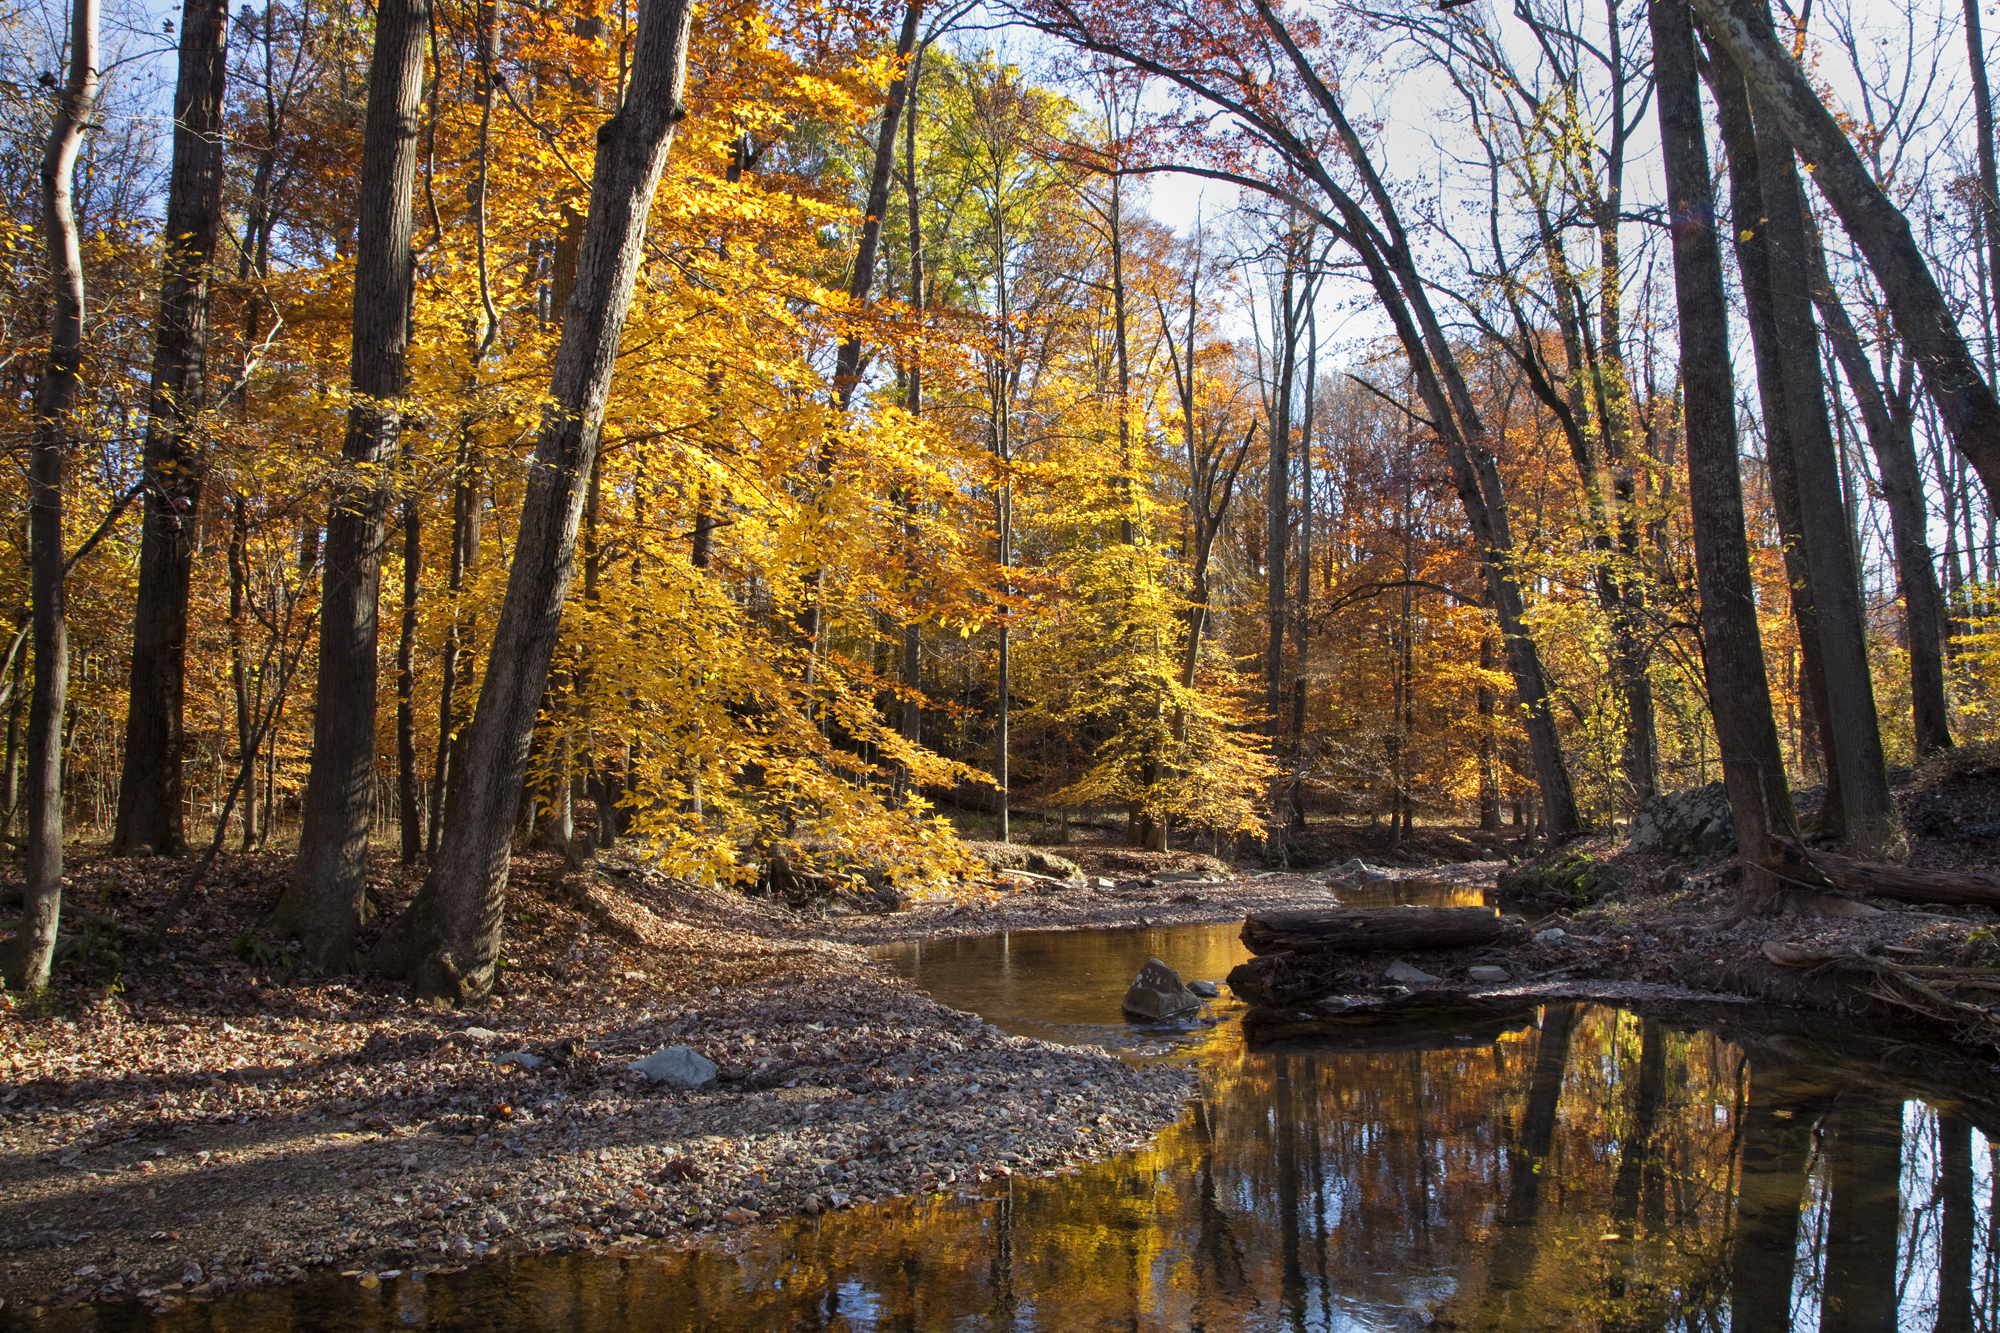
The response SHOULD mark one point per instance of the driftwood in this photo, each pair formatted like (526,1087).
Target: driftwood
(1377,930)
(1823,870)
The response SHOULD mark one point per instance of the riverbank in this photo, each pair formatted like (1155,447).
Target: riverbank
(180,1121)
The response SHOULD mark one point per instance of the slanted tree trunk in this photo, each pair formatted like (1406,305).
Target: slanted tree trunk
(149,787)
(323,905)
(26,960)
(1753,767)
(1890,422)
(1922,317)
(448,940)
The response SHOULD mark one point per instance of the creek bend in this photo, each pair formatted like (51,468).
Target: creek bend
(1544,1165)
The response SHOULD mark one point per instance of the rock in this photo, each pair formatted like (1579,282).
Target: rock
(1358,871)
(521,1058)
(1014,856)
(1551,935)
(1695,822)
(1207,990)
(478,1036)
(1335,1004)
(1404,974)
(1183,877)
(1489,974)
(1565,879)
(677,1067)
(1101,882)
(1157,993)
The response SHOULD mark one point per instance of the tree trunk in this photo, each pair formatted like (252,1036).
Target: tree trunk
(1753,264)
(1923,318)
(1739,692)
(409,815)
(27,957)
(1870,825)
(1989,179)
(912,653)
(448,941)
(1377,930)
(1890,425)
(149,787)
(324,904)
(1955,1231)
(1278,528)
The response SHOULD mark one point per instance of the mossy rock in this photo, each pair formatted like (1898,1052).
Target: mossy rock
(1563,881)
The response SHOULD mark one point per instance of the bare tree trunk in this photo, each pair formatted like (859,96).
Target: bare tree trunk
(1278,529)
(27,957)
(1923,318)
(149,787)
(1753,263)
(1739,691)
(448,941)
(239,660)
(1890,425)
(1989,180)
(1871,827)
(409,815)
(323,905)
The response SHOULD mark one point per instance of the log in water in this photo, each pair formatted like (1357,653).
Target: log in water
(1378,930)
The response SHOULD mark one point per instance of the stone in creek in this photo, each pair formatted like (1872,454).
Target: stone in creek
(1157,993)
(1489,974)
(1406,975)
(1336,1004)
(677,1067)
(1207,990)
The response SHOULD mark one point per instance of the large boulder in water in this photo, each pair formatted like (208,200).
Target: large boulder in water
(1696,822)
(1157,993)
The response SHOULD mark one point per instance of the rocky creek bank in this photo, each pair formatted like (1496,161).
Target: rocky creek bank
(178,1123)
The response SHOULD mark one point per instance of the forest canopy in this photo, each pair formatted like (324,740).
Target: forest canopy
(756,432)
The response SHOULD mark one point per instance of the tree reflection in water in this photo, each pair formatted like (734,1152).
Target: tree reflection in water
(1574,1166)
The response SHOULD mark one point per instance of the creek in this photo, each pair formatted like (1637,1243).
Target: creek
(1502,1166)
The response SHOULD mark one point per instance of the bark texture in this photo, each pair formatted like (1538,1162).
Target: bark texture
(448,940)
(1378,930)
(324,904)
(149,787)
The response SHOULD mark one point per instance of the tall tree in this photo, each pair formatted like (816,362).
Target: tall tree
(27,959)
(1753,767)
(1870,827)
(448,941)
(149,788)
(1923,318)
(1889,417)
(325,901)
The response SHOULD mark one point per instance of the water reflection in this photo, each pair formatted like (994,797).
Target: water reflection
(1570,1166)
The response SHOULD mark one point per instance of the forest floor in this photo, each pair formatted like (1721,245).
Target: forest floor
(183,1119)
(180,1120)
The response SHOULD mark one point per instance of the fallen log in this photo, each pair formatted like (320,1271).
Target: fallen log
(1378,930)
(1823,870)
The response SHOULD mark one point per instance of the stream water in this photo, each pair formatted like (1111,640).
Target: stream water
(1502,1167)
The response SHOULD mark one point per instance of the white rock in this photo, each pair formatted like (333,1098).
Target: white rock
(521,1058)
(1406,975)
(676,1066)
(1335,1004)
(1551,935)
(480,1035)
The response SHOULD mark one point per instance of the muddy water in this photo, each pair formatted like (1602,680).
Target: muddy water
(1553,1166)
